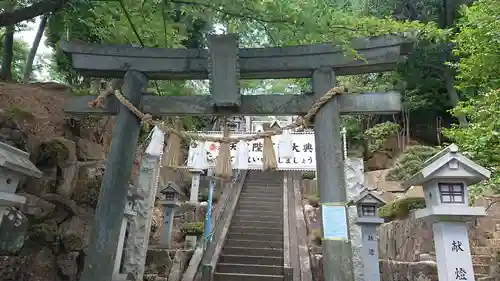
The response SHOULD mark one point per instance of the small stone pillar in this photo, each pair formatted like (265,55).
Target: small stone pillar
(366,204)
(15,167)
(128,213)
(143,195)
(195,185)
(170,200)
(445,178)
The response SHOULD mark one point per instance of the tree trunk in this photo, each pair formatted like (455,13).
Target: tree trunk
(8,54)
(453,95)
(8,47)
(31,57)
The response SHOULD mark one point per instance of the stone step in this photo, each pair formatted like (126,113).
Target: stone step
(260,206)
(246,277)
(263,199)
(262,193)
(268,186)
(250,269)
(258,213)
(254,237)
(277,229)
(260,203)
(262,252)
(255,223)
(257,230)
(242,259)
(251,217)
(254,243)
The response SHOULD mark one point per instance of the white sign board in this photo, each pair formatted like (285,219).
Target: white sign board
(303,156)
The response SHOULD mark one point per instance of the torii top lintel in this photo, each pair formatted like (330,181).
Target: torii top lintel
(225,64)
(380,54)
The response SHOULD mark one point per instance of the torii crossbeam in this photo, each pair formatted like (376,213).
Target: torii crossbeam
(225,64)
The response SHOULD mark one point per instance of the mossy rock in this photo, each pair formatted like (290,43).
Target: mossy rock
(193,228)
(410,162)
(52,152)
(44,232)
(401,208)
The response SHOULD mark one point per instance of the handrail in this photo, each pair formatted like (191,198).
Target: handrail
(209,266)
(287,265)
(196,266)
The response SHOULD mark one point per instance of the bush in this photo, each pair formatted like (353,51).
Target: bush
(308,175)
(399,209)
(316,236)
(410,162)
(313,200)
(204,197)
(193,228)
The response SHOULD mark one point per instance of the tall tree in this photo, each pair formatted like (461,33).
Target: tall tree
(8,46)
(34,48)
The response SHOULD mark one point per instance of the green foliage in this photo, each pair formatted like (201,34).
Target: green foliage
(378,135)
(52,153)
(308,175)
(399,209)
(203,197)
(478,45)
(481,139)
(193,228)
(316,236)
(410,162)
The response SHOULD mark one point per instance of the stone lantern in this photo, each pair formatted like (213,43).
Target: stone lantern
(170,198)
(15,168)
(445,178)
(367,203)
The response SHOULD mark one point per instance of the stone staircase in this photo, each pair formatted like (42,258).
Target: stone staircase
(253,250)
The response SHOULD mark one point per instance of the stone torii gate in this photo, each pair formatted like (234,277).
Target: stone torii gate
(225,64)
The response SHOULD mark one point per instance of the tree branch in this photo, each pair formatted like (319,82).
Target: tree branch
(26,13)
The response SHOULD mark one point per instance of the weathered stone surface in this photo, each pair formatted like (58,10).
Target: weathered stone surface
(46,184)
(87,150)
(9,266)
(67,264)
(159,261)
(75,233)
(36,206)
(405,240)
(408,271)
(354,176)
(40,266)
(180,261)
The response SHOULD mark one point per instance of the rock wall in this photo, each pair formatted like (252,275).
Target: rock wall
(46,238)
(410,241)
